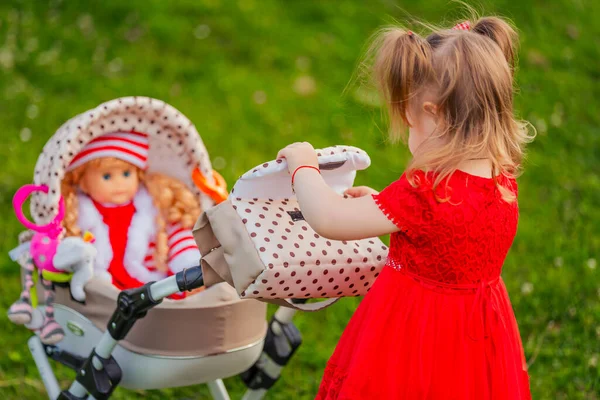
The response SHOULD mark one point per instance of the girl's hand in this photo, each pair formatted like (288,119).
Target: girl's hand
(298,154)
(360,191)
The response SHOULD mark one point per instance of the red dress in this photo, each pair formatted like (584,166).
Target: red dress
(438,323)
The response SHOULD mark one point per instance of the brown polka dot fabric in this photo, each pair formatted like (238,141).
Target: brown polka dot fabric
(175,146)
(300,262)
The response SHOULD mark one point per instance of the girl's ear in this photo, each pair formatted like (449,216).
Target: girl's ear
(430,108)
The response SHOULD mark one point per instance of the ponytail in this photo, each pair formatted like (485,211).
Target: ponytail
(502,34)
(402,67)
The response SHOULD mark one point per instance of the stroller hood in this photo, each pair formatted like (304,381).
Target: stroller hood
(175,146)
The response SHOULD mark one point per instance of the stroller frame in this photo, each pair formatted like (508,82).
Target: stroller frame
(176,150)
(99,374)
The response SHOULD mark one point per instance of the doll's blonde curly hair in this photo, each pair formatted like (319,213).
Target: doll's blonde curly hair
(174,200)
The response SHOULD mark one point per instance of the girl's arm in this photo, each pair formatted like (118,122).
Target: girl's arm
(328,213)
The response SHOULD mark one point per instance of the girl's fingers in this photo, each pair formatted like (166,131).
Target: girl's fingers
(283,152)
(352,192)
(359,191)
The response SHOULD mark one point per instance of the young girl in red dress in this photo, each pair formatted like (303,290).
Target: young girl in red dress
(438,323)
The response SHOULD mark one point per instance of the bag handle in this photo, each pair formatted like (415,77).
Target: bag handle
(329,159)
(310,307)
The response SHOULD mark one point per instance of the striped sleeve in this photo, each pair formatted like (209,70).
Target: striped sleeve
(149,260)
(183,252)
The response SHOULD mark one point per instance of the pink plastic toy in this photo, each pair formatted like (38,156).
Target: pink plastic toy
(47,237)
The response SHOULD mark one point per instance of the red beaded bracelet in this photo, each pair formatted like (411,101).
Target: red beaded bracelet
(299,168)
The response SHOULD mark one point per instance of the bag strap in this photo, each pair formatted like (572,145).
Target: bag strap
(302,307)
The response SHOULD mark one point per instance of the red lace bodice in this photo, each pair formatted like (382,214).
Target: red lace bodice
(460,241)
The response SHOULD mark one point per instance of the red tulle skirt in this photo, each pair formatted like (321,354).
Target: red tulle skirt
(413,339)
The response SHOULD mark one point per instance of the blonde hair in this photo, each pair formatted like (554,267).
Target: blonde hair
(174,200)
(470,74)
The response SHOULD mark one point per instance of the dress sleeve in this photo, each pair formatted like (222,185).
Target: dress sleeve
(404,204)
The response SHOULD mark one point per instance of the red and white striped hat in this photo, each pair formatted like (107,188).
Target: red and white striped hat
(131,147)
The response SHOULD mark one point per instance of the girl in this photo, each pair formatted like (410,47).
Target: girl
(438,323)
(141,222)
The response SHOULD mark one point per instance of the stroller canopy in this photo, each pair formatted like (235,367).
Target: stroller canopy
(176,148)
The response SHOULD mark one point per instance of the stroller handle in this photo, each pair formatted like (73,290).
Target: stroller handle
(186,280)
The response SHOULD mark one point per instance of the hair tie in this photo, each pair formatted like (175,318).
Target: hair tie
(463,26)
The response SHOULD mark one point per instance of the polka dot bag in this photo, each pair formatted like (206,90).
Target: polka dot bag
(259,242)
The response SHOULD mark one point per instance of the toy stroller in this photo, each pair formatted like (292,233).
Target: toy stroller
(126,337)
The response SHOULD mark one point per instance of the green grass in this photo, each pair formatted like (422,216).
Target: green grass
(212,59)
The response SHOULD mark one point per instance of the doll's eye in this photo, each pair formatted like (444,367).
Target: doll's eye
(106,177)
(126,173)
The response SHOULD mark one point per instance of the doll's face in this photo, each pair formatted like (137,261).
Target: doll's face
(114,182)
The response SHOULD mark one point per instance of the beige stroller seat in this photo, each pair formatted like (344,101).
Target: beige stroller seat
(205,337)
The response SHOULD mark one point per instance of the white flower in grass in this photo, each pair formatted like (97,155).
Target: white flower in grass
(541,125)
(567,53)
(591,263)
(202,31)
(259,97)
(85,23)
(48,57)
(558,262)
(593,361)
(37,95)
(7,58)
(527,288)
(115,65)
(305,85)
(219,163)
(25,134)
(32,111)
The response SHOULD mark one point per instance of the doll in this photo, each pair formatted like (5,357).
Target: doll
(141,221)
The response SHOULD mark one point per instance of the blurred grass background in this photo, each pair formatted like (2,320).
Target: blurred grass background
(256,75)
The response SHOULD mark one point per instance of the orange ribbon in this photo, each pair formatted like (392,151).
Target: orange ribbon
(216,191)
